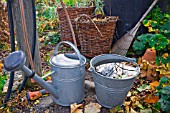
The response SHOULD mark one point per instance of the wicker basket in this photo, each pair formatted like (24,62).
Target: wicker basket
(65,31)
(95,36)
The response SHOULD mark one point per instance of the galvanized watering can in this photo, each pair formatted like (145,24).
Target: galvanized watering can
(68,72)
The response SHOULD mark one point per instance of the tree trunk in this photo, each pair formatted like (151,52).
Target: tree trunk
(19,31)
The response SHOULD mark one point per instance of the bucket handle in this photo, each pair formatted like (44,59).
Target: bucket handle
(73,46)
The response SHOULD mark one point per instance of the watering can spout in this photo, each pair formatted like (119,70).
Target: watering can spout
(42,82)
(16,60)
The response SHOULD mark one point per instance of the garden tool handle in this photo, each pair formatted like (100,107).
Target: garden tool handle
(69,22)
(73,46)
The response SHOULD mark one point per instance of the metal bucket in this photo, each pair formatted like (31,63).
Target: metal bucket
(68,78)
(111,92)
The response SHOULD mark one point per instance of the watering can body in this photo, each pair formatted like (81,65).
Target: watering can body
(67,79)
(70,84)
(68,76)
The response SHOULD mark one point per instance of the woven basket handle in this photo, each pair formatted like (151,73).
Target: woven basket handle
(88,17)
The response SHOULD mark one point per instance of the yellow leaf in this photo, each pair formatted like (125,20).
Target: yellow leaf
(150,29)
(92,108)
(76,108)
(163,71)
(165,55)
(1,65)
(134,98)
(134,101)
(127,103)
(8,111)
(153,85)
(36,102)
(127,108)
(148,23)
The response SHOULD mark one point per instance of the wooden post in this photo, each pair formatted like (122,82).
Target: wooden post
(19,31)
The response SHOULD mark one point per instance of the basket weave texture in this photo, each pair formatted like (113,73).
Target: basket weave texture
(65,30)
(94,42)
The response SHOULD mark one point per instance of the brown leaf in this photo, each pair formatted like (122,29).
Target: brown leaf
(143,73)
(150,99)
(41,40)
(92,108)
(144,65)
(153,85)
(139,60)
(162,75)
(76,108)
(151,73)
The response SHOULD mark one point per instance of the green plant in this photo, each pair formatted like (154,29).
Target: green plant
(155,41)
(3,78)
(158,42)
(99,4)
(75,3)
(164,94)
(52,38)
(46,18)
(47,23)
(141,43)
(158,22)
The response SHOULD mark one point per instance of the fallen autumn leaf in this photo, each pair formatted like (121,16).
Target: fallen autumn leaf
(76,108)
(150,99)
(92,108)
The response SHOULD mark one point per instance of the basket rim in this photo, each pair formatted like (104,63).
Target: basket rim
(111,20)
(85,7)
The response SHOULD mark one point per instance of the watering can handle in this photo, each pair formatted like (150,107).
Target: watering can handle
(73,46)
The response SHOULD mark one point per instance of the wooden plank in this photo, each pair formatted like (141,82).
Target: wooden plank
(19,31)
